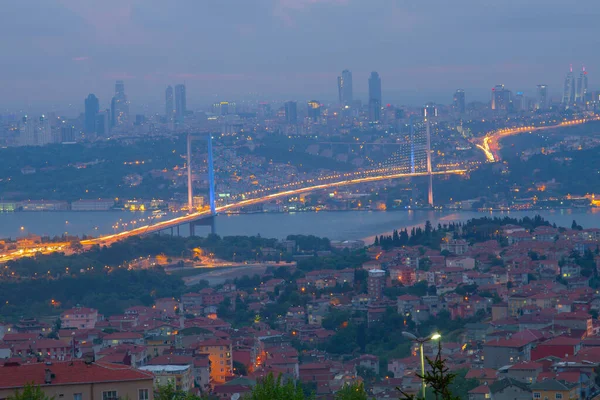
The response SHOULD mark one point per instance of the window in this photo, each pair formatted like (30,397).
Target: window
(77,396)
(537,395)
(558,395)
(110,395)
(143,394)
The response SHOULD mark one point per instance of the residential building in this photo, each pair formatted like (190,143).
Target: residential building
(79,318)
(552,389)
(219,354)
(376,283)
(180,376)
(78,380)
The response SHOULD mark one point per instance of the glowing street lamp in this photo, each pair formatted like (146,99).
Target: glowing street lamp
(421,341)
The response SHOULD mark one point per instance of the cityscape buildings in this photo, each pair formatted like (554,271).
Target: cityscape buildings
(458,101)
(224,108)
(291,112)
(92,107)
(582,87)
(542,97)
(314,110)
(119,105)
(169,110)
(345,88)
(501,98)
(568,98)
(374,97)
(180,102)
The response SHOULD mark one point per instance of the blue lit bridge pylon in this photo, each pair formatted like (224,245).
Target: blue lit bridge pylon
(209,220)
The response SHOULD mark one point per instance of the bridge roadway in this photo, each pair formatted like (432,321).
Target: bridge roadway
(161,225)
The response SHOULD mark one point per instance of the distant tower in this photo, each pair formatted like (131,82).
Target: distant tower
(541,102)
(458,102)
(314,110)
(169,103)
(291,112)
(119,105)
(180,102)
(92,107)
(374,97)
(569,89)
(582,87)
(345,88)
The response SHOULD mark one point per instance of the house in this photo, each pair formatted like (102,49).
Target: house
(500,352)
(179,375)
(455,246)
(510,389)
(318,374)
(79,317)
(554,389)
(560,346)
(526,372)
(481,392)
(117,338)
(78,380)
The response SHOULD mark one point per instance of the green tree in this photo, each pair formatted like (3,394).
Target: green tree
(273,389)
(30,392)
(356,391)
(168,392)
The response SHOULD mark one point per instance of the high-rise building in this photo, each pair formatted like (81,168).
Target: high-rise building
(103,123)
(291,112)
(169,103)
(541,102)
(582,87)
(224,108)
(34,132)
(568,98)
(92,107)
(180,102)
(458,102)
(67,132)
(520,102)
(345,88)
(374,97)
(501,98)
(314,110)
(375,283)
(119,105)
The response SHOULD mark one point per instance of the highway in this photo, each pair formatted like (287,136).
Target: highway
(490,143)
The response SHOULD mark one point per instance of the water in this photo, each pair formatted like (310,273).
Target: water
(334,225)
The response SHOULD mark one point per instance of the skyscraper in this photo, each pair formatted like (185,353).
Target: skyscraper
(520,102)
(92,106)
(374,97)
(541,102)
(103,123)
(169,103)
(345,88)
(458,101)
(582,87)
(180,102)
(224,108)
(314,110)
(291,112)
(35,132)
(119,106)
(569,89)
(501,98)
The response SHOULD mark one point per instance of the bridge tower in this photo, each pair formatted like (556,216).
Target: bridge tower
(211,184)
(429,172)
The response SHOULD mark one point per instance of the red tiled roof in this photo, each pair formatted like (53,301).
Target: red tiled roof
(69,373)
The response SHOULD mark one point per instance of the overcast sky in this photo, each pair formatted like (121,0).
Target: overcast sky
(55,52)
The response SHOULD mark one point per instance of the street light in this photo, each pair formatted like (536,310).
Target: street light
(421,341)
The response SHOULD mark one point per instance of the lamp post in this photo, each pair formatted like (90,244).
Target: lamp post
(421,341)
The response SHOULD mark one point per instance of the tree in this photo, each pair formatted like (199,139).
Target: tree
(168,392)
(30,392)
(273,389)
(355,391)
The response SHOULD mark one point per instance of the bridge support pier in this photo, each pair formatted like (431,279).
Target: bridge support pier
(210,221)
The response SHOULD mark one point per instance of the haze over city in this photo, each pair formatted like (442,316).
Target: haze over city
(57,51)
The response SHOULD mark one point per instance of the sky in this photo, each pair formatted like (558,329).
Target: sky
(55,52)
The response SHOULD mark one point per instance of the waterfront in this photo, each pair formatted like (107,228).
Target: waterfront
(342,225)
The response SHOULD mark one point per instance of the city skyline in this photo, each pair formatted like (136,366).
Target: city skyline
(91,50)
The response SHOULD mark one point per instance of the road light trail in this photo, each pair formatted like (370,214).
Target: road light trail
(490,144)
